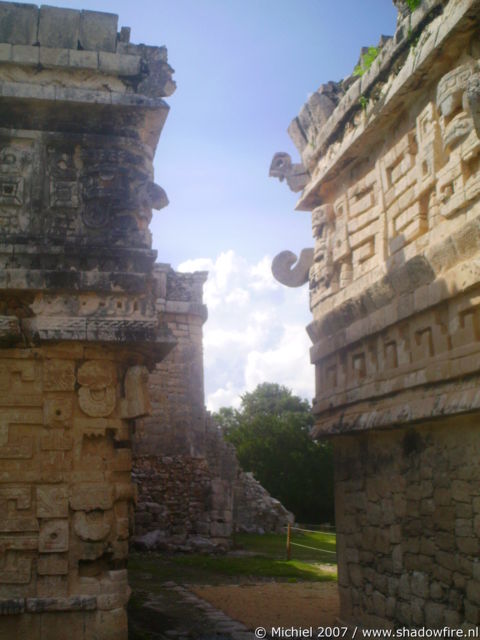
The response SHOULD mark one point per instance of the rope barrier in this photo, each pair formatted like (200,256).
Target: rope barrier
(296,544)
(330,533)
(291,544)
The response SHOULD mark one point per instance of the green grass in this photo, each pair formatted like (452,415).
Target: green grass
(274,545)
(265,559)
(256,567)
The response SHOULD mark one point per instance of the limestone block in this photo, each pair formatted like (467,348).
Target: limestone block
(53,536)
(52,564)
(58,411)
(52,501)
(83,60)
(119,63)
(25,54)
(53,57)
(58,375)
(113,623)
(98,31)
(58,28)
(18,23)
(91,496)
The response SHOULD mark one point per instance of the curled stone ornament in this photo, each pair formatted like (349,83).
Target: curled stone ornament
(96,214)
(97,395)
(97,403)
(289,275)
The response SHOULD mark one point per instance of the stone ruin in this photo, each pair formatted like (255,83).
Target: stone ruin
(85,314)
(81,114)
(192,493)
(391,173)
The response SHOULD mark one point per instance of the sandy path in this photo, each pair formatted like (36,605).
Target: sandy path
(276,604)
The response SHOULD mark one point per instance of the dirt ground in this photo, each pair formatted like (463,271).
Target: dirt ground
(276,603)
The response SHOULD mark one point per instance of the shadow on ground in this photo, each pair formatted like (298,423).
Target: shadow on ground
(163,605)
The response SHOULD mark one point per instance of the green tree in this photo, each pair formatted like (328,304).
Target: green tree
(271,434)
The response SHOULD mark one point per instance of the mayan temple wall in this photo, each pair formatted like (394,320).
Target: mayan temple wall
(391,173)
(191,490)
(81,111)
(184,493)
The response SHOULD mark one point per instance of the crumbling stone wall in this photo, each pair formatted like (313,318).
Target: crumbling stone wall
(173,498)
(255,511)
(196,502)
(184,499)
(190,485)
(182,492)
(82,111)
(391,173)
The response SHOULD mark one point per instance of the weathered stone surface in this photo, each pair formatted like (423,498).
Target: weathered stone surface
(18,23)
(191,491)
(98,31)
(282,168)
(58,27)
(289,275)
(78,326)
(395,199)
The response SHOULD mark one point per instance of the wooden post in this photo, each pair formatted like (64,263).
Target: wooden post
(289,541)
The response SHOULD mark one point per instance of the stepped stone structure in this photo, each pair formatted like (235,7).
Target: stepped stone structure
(393,164)
(81,113)
(192,493)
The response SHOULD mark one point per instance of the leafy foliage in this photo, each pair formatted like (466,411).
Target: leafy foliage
(366,61)
(363,102)
(271,434)
(413,4)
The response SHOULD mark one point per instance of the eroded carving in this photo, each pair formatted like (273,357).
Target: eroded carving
(294,173)
(53,536)
(91,496)
(296,276)
(395,288)
(91,527)
(58,375)
(136,402)
(52,501)
(77,310)
(97,395)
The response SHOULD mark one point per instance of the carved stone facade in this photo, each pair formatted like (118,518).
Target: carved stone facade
(394,189)
(81,114)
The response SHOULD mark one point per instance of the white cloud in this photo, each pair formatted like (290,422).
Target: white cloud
(225,397)
(238,296)
(262,278)
(255,332)
(287,363)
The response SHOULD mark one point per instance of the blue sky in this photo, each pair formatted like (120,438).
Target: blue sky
(243,69)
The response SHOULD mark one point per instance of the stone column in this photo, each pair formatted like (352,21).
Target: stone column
(394,190)
(81,113)
(176,425)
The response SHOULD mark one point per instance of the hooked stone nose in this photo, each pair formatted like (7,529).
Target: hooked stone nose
(157,198)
